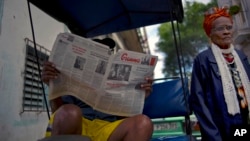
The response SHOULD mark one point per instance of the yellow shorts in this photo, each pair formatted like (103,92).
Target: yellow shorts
(97,130)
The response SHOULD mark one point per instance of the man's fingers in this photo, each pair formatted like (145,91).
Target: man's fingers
(146,85)
(51,68)
(50,74)
(48,63)
(148,91)
(47,78)
(149,80)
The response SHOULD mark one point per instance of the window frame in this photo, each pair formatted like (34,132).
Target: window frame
(34,97)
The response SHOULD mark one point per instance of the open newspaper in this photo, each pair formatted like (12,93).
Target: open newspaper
(109,83)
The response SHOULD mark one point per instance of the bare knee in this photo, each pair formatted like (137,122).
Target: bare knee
(139,128)
(67,120)
(142,122)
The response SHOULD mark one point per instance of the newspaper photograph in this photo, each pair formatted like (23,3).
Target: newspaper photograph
(108,83)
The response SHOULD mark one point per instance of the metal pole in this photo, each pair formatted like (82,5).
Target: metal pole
(37,59)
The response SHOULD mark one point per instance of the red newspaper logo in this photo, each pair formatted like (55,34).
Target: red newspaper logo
(152,61)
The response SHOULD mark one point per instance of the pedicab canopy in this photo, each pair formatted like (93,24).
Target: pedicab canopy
(89,18)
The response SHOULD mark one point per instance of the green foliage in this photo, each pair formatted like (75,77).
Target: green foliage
(192,38)
(235,9)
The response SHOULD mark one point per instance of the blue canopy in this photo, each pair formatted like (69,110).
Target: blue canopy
(89,18)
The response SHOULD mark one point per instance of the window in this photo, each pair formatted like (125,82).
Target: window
(242,15)
(33,98)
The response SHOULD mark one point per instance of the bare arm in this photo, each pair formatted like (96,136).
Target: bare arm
(50,72)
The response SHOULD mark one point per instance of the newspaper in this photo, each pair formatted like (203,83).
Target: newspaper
(108,82)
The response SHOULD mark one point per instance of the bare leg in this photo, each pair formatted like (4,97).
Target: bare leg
(67,120)
(137,128)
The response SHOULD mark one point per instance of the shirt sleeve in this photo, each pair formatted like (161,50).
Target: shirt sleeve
(67,99)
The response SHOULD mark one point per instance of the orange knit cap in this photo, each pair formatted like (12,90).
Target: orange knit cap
(211,15)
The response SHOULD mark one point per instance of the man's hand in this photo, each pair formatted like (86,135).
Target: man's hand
(147,86)
(49,72)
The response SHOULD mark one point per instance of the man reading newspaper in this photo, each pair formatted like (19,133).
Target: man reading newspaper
(73,116)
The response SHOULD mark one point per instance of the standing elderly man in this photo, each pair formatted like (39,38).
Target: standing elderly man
(220,87)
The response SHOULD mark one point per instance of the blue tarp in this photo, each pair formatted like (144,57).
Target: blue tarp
(89,18)
(167,100)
